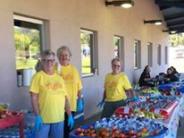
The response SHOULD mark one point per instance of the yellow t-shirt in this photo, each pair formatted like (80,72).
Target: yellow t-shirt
(115,86)
(72,82)
(51,90)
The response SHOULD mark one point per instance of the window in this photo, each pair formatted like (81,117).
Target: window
(89,56)
(150,54)
(137,54)
(166,55)
(28,43)
(159,55)
(117,45)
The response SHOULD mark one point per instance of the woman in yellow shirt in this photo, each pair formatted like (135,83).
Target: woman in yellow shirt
(49,99)
(72,81)
(116,89)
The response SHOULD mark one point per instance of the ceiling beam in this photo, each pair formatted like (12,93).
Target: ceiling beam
(170,3)
(164,7)
(179,22)
(175,20)
(176,25)
(180,31)
(174,17)
(176,28)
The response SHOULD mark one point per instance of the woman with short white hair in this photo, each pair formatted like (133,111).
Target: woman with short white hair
(72,81)
(49,99)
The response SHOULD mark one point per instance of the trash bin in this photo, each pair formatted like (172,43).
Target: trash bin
(27,75)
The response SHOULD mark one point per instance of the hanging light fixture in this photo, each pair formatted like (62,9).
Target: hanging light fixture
(156,22)
(123,3)
(127,4)
(173,32)
(170,31)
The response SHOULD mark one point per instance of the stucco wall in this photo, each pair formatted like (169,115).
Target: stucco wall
(66,17)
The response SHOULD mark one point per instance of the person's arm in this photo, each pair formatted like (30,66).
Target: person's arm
(104,96)
(68,111)
(130,93)
(80,101)
(127,87)
(79,84)
(38,119)
(67,106)
(79,94)
(34,101)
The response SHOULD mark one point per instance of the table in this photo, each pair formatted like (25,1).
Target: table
(173,122)
(13,120)
(177,85)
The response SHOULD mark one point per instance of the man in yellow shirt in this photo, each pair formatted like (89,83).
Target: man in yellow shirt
(116,89)
(49,99)
(72,81)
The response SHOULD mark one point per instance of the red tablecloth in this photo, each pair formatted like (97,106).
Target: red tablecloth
(12,120)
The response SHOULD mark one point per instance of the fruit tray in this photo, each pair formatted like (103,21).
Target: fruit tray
(160,107)
(8,118)
(121,127)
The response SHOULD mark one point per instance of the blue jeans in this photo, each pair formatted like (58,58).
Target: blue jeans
(54,130)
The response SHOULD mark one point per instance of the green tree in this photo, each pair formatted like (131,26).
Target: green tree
(177,39)
(84,38)
(27,39)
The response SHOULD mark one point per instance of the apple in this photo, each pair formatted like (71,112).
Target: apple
(122,135)
(131,132)
(81,134)
(144,130)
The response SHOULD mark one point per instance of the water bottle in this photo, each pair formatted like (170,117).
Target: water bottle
(136,90)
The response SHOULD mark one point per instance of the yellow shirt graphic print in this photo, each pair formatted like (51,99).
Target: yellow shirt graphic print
(53,87)
(115,86)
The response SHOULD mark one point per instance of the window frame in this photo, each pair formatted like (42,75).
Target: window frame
(94,53)
(42,26)
(150,53)
(137,54)
(121,53)
(159,55)
(118,46)
(166,55)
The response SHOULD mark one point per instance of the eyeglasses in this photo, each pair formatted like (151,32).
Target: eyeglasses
(116,66)
(48,60)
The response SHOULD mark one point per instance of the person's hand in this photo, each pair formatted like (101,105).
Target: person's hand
(80,105)
(70,121)
(100,104)
(38,122)
(135,98)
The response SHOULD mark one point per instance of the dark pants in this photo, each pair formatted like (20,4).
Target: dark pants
(110,107)
(67,129)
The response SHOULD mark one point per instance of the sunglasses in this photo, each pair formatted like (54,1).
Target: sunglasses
(48,60)
(116,66)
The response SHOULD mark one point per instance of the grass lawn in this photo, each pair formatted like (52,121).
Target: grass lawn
(26,63)
(86,62)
